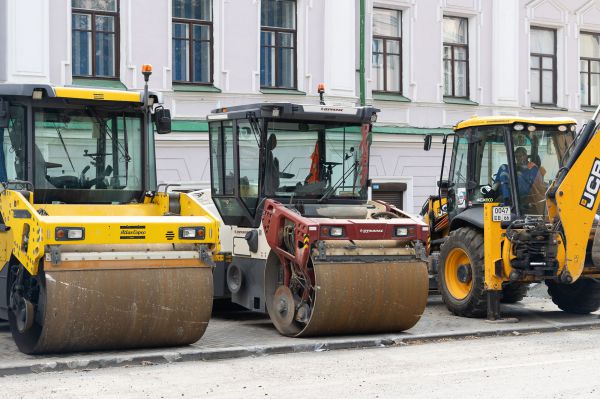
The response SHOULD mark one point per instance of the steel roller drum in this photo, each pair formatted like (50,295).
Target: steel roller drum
(102,305)
(365,298)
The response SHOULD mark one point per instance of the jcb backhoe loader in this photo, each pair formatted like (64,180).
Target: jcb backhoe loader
(517,207)
(307,245)
(92,256)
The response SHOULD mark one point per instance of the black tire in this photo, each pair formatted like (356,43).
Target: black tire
(470,242)
(514,292)
(581,297)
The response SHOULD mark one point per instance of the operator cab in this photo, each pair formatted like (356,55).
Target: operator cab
(76,145)
(307,155)
(509,161)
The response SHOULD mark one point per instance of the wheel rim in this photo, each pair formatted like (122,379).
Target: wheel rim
(454,273)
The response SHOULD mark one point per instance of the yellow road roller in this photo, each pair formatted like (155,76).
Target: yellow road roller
(93,255)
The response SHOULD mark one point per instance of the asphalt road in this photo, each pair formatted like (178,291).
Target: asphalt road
(233,334)
(550,365)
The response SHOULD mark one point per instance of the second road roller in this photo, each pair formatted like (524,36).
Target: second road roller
(307,246)
(93,255)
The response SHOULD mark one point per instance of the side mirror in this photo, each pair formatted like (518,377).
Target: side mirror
(443,184)
(162,120)
(4,116)
(427,142)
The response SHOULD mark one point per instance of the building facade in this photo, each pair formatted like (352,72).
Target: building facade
(426,64)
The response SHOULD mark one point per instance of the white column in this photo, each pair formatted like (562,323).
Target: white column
(27,41)
(505,52)
(339,48)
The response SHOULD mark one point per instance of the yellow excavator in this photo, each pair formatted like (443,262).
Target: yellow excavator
(92,254)
(518,206)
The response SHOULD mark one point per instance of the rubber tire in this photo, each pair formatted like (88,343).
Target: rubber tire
(470,240)
(514,292)
(581,297)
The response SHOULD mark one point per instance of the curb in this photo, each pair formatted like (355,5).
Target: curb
(189,355)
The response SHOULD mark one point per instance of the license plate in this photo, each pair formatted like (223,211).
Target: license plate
(501,214)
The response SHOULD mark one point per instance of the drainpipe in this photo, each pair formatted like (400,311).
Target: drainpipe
(361,71)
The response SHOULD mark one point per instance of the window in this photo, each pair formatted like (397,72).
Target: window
(192,41)
(13,154)
(543,66)
(387,50)
(456,57)
(95,42)
(589,73)
(278,44)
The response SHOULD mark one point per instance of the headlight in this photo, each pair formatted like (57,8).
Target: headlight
(69,233)
(336,232)
(401,231)
(332,231)
(191,233)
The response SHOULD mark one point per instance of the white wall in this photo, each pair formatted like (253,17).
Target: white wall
(35,46)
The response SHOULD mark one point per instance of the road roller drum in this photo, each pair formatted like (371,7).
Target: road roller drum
(353,297)
(114,305)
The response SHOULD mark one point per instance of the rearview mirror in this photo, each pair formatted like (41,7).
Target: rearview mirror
(443,184)
(427,142)
(4,117)
(162,120)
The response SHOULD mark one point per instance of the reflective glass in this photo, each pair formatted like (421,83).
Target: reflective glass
(193,9)
(547,87)
(285,74)
(81,46)
(448,78)
(542,41)
(202,62)
(583,88)
(535,86)
(96,5)
(386,22)
(278,13)
(460,53)
(105,54)
(595,89)
(393,73)
(105,23)
(102,151)
(393,47)
(455,30)
(201,32)
(589,45)
(460,71)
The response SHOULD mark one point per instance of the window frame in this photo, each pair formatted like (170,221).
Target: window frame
(117,34)
(452,60)
(589,72)
(541,69)
(190,22)
(384,54)
(277,30)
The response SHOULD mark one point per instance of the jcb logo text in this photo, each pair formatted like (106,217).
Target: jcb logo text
(592,186)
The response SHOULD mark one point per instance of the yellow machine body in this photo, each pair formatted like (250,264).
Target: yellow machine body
(109,262)
(481,264)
